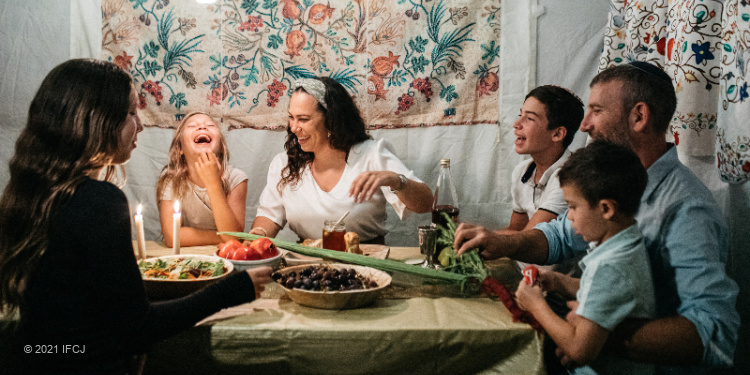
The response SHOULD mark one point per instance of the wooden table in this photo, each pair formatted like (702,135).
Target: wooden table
(420,335)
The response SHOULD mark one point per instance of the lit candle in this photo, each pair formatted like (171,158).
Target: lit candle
(139,233)
(176,222)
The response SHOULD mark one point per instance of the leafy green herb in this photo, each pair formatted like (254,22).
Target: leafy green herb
(470,263)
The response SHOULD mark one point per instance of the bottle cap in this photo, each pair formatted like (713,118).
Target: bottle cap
(445,162)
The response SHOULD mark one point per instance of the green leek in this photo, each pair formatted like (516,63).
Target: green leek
(381,264)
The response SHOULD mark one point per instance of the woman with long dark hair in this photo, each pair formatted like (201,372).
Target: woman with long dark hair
(66,255)
(332,166)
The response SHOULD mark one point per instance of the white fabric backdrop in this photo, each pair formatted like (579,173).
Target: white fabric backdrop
(35,37)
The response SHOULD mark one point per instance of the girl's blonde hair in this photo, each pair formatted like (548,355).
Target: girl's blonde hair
(175,173)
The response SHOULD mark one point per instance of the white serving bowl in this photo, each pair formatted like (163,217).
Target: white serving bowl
(243,265)
(162,289)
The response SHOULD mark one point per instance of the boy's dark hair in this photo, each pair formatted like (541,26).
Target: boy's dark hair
(605,170)
(563,109)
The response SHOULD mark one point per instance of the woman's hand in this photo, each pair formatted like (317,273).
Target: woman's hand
(209,170)
(260,276)
(529,295)
(367,183)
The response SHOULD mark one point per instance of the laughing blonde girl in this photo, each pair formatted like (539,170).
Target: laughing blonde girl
(211,192)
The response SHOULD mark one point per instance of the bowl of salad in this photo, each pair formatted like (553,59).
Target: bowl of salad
(174,276)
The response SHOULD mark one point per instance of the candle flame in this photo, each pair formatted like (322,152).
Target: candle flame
(176,206)
(139,209)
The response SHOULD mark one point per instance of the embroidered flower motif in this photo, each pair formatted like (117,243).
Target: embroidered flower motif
(375,87)
(676,138)
(424,86)
(275,90)
(142,100)
(746,167)
(404,102)
(154,89)
(487,84)
(702,52)
(123,61)
(218,94)
(743,92)
(295,41)
(254,23)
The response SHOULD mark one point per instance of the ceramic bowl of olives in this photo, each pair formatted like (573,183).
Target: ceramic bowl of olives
(332,286)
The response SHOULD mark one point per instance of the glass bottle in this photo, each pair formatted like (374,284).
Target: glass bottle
(446,199)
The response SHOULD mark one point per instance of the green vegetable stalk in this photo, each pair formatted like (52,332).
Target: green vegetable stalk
(381,264)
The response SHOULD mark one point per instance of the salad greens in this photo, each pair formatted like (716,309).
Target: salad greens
(180,268)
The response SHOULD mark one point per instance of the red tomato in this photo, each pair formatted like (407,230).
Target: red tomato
(242,252)
(226,249)
(265,247)
(253,254)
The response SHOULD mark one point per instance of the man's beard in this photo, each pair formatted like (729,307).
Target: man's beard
(617,133)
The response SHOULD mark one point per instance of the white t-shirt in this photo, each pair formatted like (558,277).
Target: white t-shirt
(547,195)
(196,207)
(529,197)
(305,206)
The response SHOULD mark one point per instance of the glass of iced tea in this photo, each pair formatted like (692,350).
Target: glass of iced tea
(333,235)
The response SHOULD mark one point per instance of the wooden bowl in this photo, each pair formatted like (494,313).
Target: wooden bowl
(339,300)
(163,289)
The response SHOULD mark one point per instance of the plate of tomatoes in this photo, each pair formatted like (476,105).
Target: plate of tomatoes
(250,254)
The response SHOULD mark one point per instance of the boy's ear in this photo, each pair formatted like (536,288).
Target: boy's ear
(558,135)
(608,208)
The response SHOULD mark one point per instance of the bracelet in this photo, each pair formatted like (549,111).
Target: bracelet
(265,234)
(402,184)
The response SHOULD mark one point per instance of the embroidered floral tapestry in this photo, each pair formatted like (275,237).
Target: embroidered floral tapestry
(406,62)
(733,135)
(703,46)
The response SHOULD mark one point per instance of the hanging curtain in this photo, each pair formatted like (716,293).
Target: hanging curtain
(733,135)
(701,45)
(407,63)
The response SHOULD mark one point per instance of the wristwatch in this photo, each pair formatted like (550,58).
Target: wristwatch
(401,185)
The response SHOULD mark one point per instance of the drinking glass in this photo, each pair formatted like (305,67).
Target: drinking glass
(427,244)
(333,235)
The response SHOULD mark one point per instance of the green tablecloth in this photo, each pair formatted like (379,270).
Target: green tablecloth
(414,336)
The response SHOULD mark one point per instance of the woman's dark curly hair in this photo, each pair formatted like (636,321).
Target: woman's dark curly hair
(342,119)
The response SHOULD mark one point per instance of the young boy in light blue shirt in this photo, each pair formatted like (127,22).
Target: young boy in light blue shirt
(602,185)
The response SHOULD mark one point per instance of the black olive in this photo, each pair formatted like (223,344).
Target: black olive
(289,283)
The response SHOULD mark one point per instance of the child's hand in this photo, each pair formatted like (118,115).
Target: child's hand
(260,276)
(209,170)
(549,280)
(528,296)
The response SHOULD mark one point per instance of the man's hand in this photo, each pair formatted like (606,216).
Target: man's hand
(473,236)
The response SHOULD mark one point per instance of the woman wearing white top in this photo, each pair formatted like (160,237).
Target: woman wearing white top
(332,166)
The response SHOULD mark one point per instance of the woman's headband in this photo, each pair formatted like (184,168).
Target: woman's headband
(314,87)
